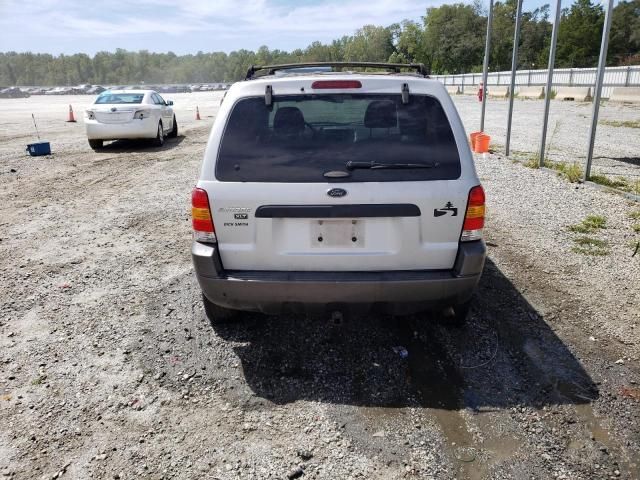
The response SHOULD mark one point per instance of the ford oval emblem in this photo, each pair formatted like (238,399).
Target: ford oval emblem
(336,192)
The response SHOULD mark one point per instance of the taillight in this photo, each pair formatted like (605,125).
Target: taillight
(333,84)
(203,229)
(140,114)
(474,219)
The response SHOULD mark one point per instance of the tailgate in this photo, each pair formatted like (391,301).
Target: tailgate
(413,229)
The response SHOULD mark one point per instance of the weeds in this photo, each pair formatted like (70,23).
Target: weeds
(617,123)
(38,380)
(590,224)
(590,246)
(621,183)
(532,162)
(635,215)
(636,227)
(570,171)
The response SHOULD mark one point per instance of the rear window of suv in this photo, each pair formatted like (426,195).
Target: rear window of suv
(310,138)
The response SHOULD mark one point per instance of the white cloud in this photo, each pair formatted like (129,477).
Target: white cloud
(255,19)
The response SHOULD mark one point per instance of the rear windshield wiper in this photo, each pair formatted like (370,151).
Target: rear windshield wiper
(379,166)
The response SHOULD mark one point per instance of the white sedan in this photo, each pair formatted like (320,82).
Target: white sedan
(118,114)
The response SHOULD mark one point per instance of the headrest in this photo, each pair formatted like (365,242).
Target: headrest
(381,114)
(288,120)
(412,121)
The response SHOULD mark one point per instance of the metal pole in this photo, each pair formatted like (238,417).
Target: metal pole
(599,79)
(514,66)
(547,93)
(485,66)
(626,80)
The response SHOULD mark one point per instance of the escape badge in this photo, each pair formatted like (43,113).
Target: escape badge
(438,212)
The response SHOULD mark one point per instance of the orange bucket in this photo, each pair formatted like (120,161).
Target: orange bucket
(482,143)
(472,139)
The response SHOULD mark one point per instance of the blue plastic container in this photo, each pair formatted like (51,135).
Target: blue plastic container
(40,148)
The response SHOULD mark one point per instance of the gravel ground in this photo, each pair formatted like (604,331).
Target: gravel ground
(616,151)
(109,368)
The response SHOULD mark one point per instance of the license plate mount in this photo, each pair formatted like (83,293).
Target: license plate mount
(337,233)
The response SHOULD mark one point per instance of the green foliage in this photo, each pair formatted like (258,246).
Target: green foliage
(455,38)
(449,39)
(624,39)
(570,171)
(635,215)
(618,123)
(590,224)
(532,162)
(621,183)
(590,246)
(580,34)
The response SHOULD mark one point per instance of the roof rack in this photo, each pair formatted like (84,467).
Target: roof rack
(394,67)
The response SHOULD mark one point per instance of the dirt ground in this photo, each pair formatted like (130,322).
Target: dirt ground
(617,147)
(109,368)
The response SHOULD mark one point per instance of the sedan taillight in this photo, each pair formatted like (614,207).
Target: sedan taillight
(140,114)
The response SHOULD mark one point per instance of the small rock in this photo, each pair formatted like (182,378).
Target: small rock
(379,434)
(305,454)
(295,473)
(620,361)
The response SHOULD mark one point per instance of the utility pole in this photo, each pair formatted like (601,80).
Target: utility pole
(485,66)
(599,79)
(547,93)
(514,66)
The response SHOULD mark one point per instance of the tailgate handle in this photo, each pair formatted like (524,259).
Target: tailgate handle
(339,211)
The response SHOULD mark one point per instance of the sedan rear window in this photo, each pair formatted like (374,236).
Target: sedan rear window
(120,98)
(311,138)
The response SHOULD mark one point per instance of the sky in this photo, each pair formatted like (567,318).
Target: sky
(189,26)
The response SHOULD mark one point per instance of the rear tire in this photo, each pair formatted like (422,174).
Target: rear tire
(174,131)
(95,144)
(159,140)
(217,314)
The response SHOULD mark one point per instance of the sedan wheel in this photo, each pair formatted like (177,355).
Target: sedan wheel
(159,141)
(174,131)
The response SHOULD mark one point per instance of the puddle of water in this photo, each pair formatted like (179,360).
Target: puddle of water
(588,418)
(440,388)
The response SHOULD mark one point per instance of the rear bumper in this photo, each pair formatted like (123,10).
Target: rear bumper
(145,128)
(394,291)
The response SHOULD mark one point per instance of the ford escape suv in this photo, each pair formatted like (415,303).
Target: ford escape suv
(326,188)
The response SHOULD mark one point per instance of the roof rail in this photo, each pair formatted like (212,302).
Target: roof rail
(395,67)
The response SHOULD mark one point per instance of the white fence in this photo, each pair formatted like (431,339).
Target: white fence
(562,77)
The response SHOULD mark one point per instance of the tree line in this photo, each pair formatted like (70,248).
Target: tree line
(448,39)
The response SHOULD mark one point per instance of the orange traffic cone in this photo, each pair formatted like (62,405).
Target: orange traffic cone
(197,113)
(71,117)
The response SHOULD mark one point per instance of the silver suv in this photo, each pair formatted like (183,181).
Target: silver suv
(332,189)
